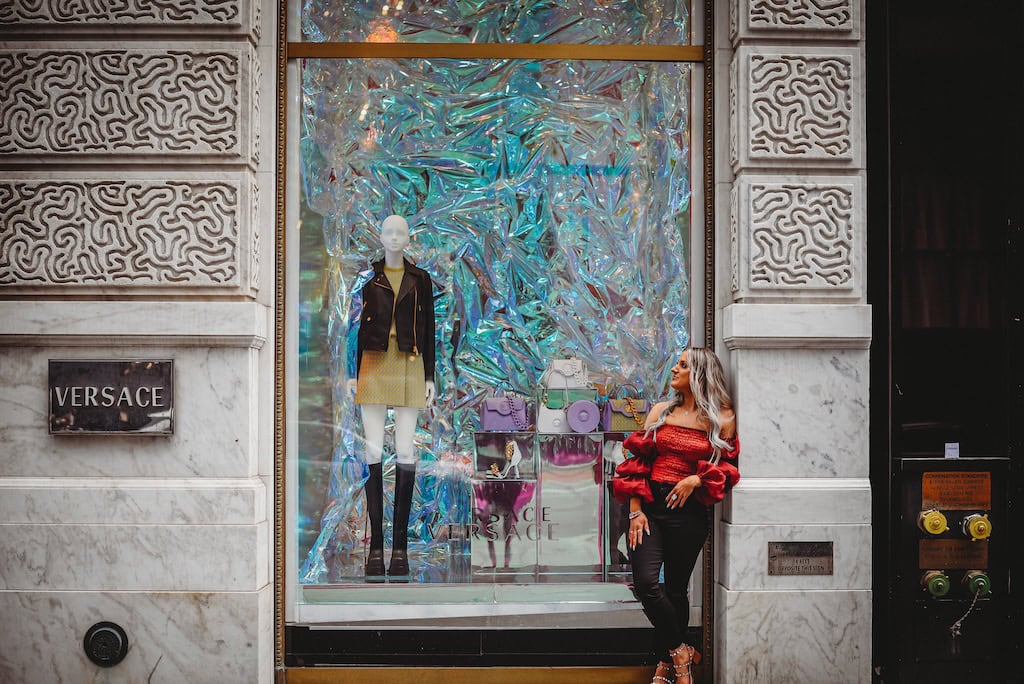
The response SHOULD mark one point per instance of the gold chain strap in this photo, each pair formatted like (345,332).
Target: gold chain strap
(519,421)
(632,410)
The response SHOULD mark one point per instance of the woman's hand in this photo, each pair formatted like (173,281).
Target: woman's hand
(638,527)
(681,492)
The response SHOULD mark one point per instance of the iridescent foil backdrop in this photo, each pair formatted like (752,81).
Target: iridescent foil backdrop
(549,201)
(633,22)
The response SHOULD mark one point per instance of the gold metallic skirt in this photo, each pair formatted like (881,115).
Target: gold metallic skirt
(392,377)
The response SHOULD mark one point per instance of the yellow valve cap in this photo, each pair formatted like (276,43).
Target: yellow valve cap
(936,582)
(932,522)
(977,526)
(978,583)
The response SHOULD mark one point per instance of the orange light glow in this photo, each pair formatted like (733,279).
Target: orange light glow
(382,32)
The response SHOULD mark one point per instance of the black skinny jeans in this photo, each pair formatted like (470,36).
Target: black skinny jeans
(676,539)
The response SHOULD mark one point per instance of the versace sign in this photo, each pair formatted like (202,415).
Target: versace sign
(111,397)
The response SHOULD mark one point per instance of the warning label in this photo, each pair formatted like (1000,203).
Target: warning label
(956,490)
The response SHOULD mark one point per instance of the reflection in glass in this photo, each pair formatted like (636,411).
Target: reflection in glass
(549,201)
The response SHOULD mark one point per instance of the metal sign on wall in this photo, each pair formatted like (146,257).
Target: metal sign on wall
(111,397)
(800,558)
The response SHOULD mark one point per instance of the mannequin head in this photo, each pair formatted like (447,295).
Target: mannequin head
(394,237)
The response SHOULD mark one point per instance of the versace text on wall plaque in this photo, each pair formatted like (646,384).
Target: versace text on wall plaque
(111,397)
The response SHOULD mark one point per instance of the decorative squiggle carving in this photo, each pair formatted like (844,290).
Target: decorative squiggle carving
(96,233)
(734,236)
(256,78)
(801,14)
(801,107)
(257,17)
(734,142)
(216,12)
(254,227)
(119,101)
(801,235)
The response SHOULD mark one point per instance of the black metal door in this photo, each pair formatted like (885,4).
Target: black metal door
(945,271)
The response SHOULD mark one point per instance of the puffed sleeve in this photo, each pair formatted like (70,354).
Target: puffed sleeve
(632,478)
(640,444)
(729,462)
(718,479)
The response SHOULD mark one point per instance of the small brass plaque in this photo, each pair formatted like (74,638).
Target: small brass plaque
(952,554)
(800,558)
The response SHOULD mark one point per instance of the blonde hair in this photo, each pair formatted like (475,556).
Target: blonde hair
(710,392)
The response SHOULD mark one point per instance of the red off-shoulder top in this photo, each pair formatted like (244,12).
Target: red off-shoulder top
(677,453)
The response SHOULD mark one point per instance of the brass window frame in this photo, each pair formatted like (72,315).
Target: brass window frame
(286,51)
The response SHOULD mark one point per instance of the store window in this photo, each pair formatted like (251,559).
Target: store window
(548,203)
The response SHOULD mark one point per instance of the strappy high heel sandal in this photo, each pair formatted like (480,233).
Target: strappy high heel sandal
(661,675)
(684,669)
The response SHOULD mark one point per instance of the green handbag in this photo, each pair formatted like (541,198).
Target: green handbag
(561,398)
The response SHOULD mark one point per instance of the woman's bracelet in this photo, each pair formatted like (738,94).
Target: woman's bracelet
(635,514)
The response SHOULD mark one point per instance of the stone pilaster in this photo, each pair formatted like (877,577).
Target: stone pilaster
(797,329)
(134,189)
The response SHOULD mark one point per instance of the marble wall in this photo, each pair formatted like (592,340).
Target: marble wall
(795,328)
(136,188)
(135,195)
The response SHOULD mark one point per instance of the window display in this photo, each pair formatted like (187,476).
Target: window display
(489,256)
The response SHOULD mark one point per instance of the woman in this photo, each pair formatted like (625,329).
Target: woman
(681,463)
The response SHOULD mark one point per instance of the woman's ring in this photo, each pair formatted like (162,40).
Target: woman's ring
(674,497)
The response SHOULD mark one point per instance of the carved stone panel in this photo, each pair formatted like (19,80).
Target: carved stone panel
(797,237)
(801,107)
(166,16)
(138,233)
(181,102)
(795,19)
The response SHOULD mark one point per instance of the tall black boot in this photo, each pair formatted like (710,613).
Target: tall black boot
(374,490)
(405,482)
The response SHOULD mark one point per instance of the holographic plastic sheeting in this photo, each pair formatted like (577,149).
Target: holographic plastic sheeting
(549,201)
(649,22)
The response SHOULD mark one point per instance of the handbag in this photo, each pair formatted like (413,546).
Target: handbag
(551,420)
(566,374)
(583,416)
(563,398)
(624,415)
(504,414)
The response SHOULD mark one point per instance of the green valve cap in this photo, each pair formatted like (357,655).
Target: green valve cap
(936,582)
(978,583)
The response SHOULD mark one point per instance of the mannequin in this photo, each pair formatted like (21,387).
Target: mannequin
(394,367)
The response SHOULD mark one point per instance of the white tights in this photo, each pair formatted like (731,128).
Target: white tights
(374,416)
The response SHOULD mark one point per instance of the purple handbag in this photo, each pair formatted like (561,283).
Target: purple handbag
(583,415)
(504,414)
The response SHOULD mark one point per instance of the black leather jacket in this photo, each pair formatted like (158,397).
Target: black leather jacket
(414,315)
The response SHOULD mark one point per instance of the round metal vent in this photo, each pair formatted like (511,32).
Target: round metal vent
(106,644)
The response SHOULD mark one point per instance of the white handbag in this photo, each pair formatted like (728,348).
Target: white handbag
(551,420)
(566,374)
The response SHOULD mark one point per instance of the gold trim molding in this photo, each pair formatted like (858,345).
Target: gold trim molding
(629,53)
(467,675)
